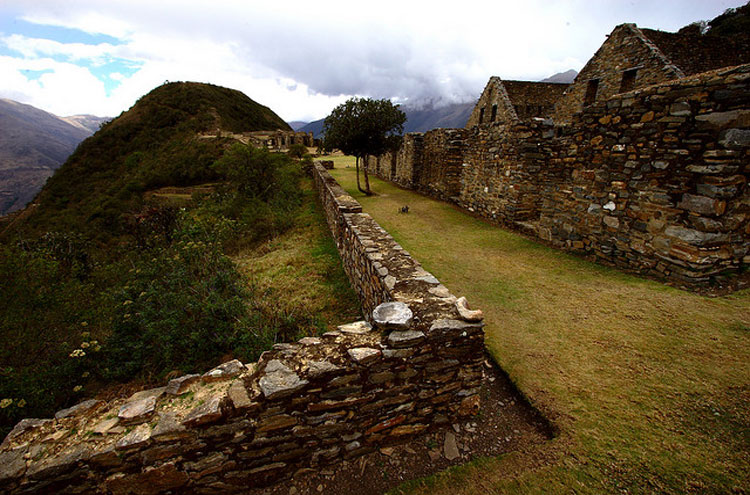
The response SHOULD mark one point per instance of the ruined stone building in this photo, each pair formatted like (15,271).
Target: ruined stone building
(634,57)
(280,140)
(509,101)
(644,163)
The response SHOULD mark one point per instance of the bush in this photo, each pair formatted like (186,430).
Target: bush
(297,151)
(75,315)
(177,309)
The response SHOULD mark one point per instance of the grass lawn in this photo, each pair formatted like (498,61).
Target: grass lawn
(649,386)
(298,276)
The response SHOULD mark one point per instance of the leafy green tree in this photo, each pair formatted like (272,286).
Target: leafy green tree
(297,151)
(363,126)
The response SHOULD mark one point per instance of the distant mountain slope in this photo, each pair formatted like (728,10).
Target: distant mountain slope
(454,115)
(157,143)
(296,125)
(33,143)
(419,119)
(562,77)
(89,122)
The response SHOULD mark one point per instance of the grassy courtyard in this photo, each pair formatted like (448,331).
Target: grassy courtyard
(647,385)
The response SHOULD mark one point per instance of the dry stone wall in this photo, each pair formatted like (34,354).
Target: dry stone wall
(654,180)
(626,48)
(415,365)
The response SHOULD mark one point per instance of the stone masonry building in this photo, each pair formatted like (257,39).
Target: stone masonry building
(510,101)
(644,164)
(633,57)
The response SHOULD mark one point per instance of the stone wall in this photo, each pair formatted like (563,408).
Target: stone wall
(625,48)
(656,179)
(279,140)
(653,180)
(301,406)
(503,168)
(494,99)
(534,99)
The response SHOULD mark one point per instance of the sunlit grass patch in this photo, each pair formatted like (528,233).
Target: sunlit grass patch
(644,381)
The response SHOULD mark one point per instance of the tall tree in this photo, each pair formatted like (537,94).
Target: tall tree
(363,126)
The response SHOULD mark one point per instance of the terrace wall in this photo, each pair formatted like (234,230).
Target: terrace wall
(302,405)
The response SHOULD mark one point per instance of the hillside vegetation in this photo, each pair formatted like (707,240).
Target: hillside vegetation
(154,144)
(103,284)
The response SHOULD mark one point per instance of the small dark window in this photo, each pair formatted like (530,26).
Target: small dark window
(481,115)
(628,80)
(494,113)
(591,90)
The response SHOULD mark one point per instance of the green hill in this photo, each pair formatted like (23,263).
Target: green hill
(156,143)
(104,284)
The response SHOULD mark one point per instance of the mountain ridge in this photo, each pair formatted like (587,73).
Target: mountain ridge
(33,144)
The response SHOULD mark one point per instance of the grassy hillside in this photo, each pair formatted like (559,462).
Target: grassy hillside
(154,144)
(107,282)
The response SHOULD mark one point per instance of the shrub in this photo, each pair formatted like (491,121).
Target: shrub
(297,151)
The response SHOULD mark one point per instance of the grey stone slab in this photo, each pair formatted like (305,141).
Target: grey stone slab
(280,381)
(317,369)
(12,463)
(22,427)
(356,328)
(138,437)
(207,412)
(137,410)
(393,315)
(180,385)
(405,338)
(152,392)
(168,428)
(364,355)
(226,370)
(80,409)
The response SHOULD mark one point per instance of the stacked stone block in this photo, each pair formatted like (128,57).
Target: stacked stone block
(656,179)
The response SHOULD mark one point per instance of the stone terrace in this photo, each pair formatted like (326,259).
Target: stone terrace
(413,366)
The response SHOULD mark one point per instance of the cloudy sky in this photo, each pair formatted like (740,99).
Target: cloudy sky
(303,58)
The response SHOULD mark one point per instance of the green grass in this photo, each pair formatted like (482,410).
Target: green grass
(648,385)
(300,272)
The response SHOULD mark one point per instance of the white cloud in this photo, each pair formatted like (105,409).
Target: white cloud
(66,90)
(302,58)
(34,47)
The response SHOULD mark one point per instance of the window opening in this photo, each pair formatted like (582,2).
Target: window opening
(628,80)
(591,90)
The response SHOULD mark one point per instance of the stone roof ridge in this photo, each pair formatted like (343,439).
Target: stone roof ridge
(655,50)
(506,97)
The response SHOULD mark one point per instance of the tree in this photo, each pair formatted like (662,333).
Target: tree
(297,151)
(363,126)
